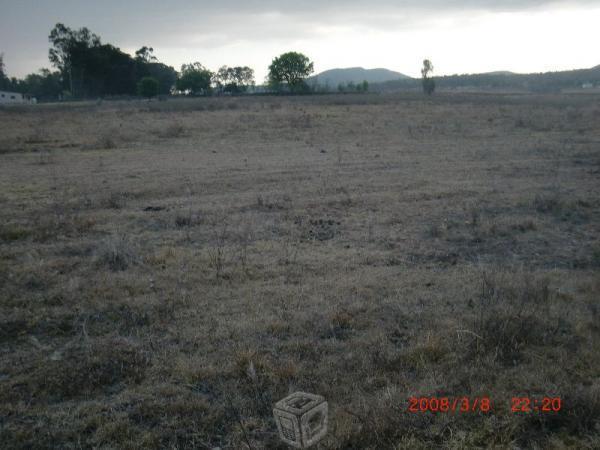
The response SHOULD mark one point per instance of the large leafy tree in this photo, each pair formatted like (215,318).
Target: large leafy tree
(194,79)
(69,51)
(148,66)
(165,75)
(90,68)
(44,85)
(234,79)
(110,71)
(289,71)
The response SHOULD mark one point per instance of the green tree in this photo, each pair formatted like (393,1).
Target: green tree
(90,68)
(148,87)
(166,75)
(426,79)
(234,79)
(44,85)
(147,65)
(194,79)
(289,70)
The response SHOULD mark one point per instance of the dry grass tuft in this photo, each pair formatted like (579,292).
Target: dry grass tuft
(117,253)
(174,130)
(106,142)
(80,369)
(516,312)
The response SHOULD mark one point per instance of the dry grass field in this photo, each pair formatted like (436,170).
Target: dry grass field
(169,270)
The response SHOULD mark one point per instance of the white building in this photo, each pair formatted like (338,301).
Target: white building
(15,98)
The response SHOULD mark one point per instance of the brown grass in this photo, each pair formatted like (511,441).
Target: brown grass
(169,270)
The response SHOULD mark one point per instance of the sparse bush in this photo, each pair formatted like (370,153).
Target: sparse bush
(80,370)
(174,130)
(45,157)
(116,253)
(435,230)
(106,142)
(217,250)
(515,313)
(13,232)
(549,203)
(595,261)
(116,200)
(182,221)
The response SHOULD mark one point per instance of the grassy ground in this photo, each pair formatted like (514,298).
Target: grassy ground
(169,270)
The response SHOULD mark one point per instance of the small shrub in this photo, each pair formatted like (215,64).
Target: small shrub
(217,252)
(595,259)
(524,226)
(13,232)
(116,200)
(549,203)
(79,370)
(475,214)
(116,253)
(45,157)
(515,313)
(182,221)
(106,142)
(82,225)
(174,130)
(434,230)
(340,323)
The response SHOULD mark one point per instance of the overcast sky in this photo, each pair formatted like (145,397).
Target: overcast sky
(458,36)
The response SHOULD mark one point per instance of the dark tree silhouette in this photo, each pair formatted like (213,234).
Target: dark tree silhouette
(194,79)
(147,87)
(289,71)
(427,80)
(234,79)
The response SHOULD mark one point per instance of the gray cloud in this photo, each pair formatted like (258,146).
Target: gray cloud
(24,25)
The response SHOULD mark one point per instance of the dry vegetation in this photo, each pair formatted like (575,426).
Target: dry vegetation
(169,270)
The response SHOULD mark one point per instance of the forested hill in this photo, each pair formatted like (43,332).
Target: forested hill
(534,82)
(334,77)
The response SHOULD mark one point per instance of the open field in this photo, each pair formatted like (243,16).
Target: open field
(169,270)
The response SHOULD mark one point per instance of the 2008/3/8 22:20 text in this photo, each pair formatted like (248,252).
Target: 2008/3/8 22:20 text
(482,404)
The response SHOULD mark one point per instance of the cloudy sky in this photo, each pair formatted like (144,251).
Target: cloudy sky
(458,36)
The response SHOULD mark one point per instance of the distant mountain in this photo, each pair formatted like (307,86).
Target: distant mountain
(499,72)
(355,75)
(503,80)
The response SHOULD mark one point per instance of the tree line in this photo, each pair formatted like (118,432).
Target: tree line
(85,67)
